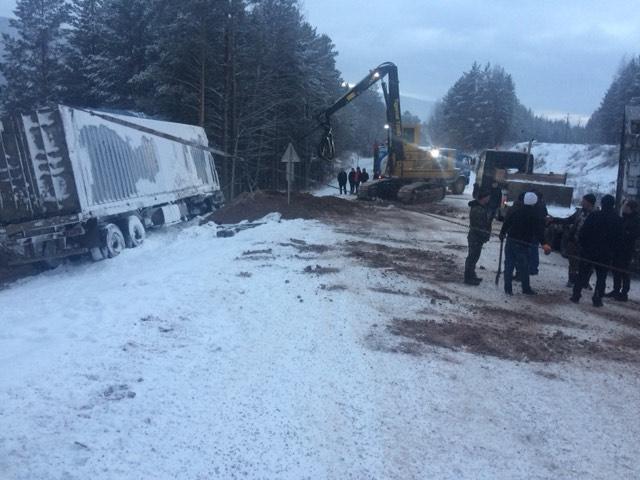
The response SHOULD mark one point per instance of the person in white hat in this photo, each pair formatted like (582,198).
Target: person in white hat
(522,228)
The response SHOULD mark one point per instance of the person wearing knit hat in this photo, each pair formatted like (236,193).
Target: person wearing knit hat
(479,234)
(572,227)
(521,228)
(599,239)
(530,199)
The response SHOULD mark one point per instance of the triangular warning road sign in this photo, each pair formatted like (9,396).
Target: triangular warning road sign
(290,156)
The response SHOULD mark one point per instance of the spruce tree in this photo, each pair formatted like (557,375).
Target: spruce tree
(85,43)
(33,62)
(123,54)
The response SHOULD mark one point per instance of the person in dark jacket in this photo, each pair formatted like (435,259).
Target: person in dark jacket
(358,178)
(352,181)
(599,239)
(365,176)
(623,255)
(573,227)
(479,234)
(342,182)
(521,228)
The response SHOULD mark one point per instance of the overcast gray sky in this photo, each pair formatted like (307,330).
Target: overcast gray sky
(562,54)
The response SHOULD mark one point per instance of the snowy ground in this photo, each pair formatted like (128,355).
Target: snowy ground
(590,168)
(196,357)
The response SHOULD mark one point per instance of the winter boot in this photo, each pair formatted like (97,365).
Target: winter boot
(472,281)
(623,297)
(597,302)
(529,292)
(575,299)
(612,294)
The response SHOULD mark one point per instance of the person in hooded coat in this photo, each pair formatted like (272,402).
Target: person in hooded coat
(479,234)
(599,239)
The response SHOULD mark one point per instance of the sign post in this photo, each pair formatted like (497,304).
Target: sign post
(290,157)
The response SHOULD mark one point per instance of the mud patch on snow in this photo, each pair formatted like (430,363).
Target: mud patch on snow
(252,253)
(304,247)
(457,248)
(630,341)
(390,291)
(521,318)
(510,341)
(505,343)
(256,205)
(334,288)
(410,262)
(435,295)
(320,270)
(624,319)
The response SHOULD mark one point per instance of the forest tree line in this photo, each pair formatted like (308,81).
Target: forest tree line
(253,73)
(481,110)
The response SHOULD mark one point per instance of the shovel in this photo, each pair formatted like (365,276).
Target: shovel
(500,262)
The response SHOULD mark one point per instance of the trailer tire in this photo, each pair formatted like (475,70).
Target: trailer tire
(114,242)
(134,232)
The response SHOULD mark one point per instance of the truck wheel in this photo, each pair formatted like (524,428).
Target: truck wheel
(134,232)
(114,241)
(459,186)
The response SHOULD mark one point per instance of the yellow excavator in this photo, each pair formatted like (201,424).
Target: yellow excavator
(409,172)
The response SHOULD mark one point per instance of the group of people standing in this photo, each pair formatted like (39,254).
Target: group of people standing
(597,240)
(355,177)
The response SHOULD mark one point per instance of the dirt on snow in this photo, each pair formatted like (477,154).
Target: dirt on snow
(256,205)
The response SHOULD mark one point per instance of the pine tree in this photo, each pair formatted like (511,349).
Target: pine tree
(85,43)
(115,71)
(33,61)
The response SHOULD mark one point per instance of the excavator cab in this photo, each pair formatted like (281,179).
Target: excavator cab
(411,134)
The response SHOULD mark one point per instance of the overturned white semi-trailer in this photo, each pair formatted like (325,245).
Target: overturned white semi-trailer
(76,181)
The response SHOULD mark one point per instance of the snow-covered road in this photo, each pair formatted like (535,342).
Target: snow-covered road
(196,357)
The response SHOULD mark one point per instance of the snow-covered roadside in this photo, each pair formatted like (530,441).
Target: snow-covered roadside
(196,357)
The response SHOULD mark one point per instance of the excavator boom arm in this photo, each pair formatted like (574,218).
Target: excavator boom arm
(392,101)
